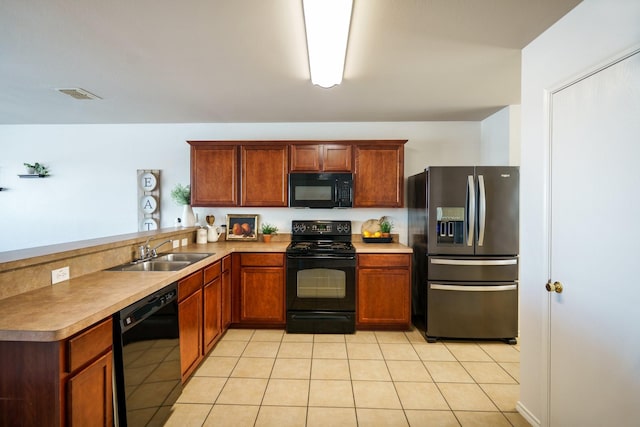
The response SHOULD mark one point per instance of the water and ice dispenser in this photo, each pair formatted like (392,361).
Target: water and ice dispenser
(450,225)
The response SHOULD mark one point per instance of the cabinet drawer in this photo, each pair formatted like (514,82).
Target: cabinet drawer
(383,260)
(212,271)
(88,345)
(189,285)
(262,260)
(226,263)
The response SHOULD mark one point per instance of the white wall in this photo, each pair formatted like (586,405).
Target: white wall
(595,31)
(500,138)
(92,188)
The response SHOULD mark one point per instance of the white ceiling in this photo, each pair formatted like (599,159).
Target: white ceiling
(203,61)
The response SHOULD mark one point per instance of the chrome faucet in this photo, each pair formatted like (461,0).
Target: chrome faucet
(146,252)
(153,250)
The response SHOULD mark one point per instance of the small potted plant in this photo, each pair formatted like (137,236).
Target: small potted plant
(181,194)
(36,169)
(268,230)
(385,227)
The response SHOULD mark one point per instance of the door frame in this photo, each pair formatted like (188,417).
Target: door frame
(545,343)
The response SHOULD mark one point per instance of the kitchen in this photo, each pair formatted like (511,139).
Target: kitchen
(156,144)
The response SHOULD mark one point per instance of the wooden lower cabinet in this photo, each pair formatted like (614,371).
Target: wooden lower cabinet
(226,293)
(204,312)
(191,324)
(58,383)
(90,394)
(384,291)
(212,306)
(259,291)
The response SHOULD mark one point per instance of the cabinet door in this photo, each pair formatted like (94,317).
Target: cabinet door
(384,297)
(190,321)
(264,175)
(214,175)
(305,158)
(336,158)
(90,396)
(262,295)
(226,292)
(379,176)
(212,308)
(320,158)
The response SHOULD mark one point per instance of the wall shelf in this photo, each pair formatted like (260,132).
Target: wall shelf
(33,175)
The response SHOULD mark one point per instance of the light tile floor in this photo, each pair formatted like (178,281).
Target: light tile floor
(263,378)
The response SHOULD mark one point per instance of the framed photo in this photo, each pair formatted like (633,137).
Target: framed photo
(242,227)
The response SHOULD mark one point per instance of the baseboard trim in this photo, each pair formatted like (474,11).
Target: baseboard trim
(527,415)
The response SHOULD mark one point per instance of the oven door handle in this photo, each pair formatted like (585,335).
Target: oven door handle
(319,316)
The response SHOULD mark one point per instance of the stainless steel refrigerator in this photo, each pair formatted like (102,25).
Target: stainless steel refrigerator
(464,230)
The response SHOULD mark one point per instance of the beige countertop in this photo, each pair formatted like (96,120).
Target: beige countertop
(56,312)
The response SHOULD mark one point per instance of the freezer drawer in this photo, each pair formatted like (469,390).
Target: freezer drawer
(472,269)
(472,310)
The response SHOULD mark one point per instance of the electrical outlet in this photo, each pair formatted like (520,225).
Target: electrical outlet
(185,242)
(176,243)
(59,275)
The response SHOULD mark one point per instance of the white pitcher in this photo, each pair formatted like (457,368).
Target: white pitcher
(212,233)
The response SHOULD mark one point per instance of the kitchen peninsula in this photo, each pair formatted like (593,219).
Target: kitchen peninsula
(56,339)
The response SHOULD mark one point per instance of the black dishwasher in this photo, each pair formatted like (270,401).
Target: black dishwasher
(147,359)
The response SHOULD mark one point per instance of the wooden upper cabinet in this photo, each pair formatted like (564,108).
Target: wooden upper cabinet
(255,173)
(320,158)
(379,175)
(214,174)
(264,175)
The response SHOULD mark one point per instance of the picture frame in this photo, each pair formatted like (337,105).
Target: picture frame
(242,227)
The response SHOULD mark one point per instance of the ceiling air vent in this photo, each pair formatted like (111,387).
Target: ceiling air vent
(78,93)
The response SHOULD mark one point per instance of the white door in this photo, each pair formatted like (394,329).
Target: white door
(595,249)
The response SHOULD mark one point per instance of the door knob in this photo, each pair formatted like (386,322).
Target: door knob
(554,287)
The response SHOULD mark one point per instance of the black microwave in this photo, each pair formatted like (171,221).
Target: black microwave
(320,190)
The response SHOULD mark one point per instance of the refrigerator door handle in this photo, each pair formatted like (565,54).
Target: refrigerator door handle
(445,261)
(482,210)
(471,209)
(473,288)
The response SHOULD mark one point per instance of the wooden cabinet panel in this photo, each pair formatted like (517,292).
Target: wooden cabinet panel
(84,347)
(379,176)
(320,158)
(305,158)
(189,285)
(90,395)
(336,158)
(214,174)
(262,259)
(384,291)
(212,271)
(212,304)
(264,175)
(38,387)
(190,321)
(262,295)
(381,260)
(226,292)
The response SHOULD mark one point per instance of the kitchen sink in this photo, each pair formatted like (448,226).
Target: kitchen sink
(183,256)
(166,262)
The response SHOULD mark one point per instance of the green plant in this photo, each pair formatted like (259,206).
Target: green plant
(181,194)
(385,226)
(269,228)
(37,168)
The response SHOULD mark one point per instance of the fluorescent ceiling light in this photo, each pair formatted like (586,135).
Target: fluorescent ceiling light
(327,23)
